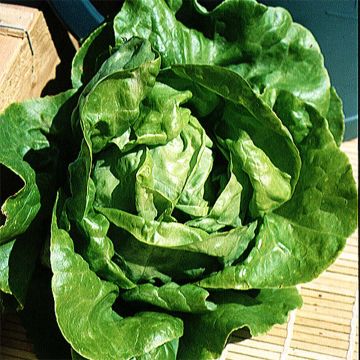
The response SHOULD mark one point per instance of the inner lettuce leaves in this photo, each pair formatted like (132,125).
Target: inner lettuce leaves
(182,188)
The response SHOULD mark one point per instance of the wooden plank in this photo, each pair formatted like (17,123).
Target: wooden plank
(337,314)
(330,287)
(350,245)
(320,324)
(343,270)
(351,256)
(295,357)
(353,240)
(317,332)
(338,280)
(318,348)
(9,357)
(260,353)
(235,356)
(348,263)
(9,351)
(8,325)
(325,341)
(312,355)
(24,69)
(16,343)
(337,298)
(356,348)
(326,318)
(327,304)
(13,334)
(258,344)
(277,340)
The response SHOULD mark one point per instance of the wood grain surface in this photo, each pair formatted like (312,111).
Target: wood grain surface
(28,57)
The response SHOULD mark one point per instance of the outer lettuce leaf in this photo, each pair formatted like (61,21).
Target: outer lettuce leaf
(335,117)
(31,136)
(85,63)
(97,249)
(167,351)
(6,250)
(153,20)
(83,309)
(92,227)
(26,150)
(304,236)
(267,48)
(293,113)
(17,262)
(206,335)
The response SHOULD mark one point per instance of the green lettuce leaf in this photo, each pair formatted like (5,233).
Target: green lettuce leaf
(272,175)
(27,151)
(303,237)
(83,307)
(268,49)
(228,245)
(17,262)
(85,65)
(173,297)
(206,335)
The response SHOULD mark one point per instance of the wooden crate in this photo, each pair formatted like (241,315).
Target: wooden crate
(28,57)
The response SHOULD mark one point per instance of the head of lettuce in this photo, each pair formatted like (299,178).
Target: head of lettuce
(181,189)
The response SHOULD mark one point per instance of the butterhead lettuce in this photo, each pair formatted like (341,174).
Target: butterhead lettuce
(182,188)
